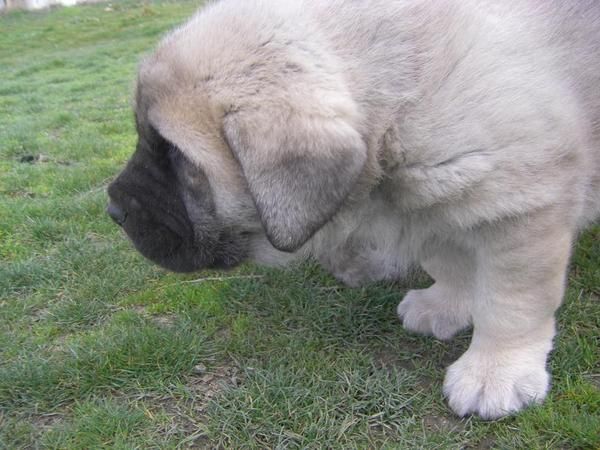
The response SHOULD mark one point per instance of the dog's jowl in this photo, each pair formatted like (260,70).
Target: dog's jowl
(461,136)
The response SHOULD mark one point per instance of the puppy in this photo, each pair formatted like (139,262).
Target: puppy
(374,135)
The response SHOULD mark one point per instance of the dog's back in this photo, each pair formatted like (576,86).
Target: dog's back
(404,53)
(442,72)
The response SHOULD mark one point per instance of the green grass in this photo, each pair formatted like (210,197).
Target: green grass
(99,349)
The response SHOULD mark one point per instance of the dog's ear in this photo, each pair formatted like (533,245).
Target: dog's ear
(299,168)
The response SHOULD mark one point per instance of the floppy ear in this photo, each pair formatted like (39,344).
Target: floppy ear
(299,169)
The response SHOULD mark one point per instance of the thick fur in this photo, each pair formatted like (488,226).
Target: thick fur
(375,135)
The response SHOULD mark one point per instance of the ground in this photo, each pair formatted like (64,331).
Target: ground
(99,348)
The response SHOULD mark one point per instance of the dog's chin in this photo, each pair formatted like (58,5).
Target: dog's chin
(185,254)
(177,264)
(187,261)
(186,265)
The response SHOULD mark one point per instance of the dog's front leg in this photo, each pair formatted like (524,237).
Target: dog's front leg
(444,308)
(520,279)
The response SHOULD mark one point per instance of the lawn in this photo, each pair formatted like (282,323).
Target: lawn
(100,349)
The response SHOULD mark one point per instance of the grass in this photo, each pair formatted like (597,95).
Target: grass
(99,349)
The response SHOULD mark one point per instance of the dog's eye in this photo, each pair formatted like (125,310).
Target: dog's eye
(172,153)
(162,147)
(154,137)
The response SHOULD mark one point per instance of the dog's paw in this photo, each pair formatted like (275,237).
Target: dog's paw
(493,386)
(426,311)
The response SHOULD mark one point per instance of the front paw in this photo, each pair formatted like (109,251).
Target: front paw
(492,384)
(427,311)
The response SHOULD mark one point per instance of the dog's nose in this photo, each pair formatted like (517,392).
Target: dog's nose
(116,213)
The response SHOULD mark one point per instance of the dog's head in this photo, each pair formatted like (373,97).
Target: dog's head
(164,204)
(237,140)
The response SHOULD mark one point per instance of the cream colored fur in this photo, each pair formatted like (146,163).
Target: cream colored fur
(474,128)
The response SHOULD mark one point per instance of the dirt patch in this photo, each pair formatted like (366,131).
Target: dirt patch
(187,412)
(46,421)
(444,424)
(164,320)
(486,443)
(40,314)
(206,386)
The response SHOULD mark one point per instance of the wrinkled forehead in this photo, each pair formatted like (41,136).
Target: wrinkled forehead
(168,98)
(153,85)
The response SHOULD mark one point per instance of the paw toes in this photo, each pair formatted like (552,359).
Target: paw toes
(493,390)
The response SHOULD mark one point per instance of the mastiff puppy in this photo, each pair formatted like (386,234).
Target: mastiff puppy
(373,135)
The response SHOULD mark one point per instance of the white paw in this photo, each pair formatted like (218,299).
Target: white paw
(427,311)
(493,385)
